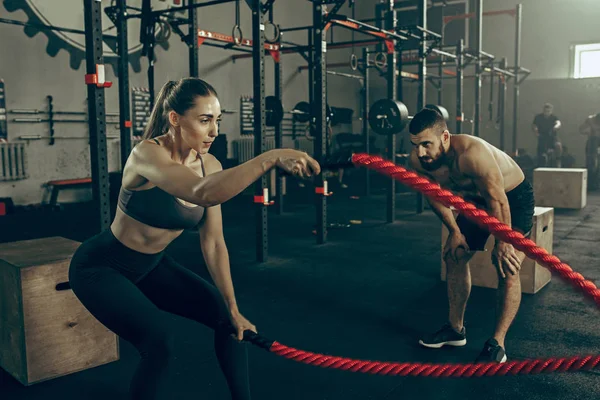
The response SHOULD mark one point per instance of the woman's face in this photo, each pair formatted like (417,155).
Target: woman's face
(200,124)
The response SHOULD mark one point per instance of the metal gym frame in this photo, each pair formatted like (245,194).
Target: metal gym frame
(484,63)
(387,15)
(194,37)
(393,37)
(315,55)
(120,14)
(363,79)
(96,83)
(386,12)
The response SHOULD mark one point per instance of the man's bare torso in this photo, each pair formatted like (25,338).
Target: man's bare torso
(449,176)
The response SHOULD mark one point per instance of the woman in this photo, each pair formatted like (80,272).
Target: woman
(171,183)
(591,128)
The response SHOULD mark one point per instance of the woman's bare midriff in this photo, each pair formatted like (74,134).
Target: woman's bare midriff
(141,237)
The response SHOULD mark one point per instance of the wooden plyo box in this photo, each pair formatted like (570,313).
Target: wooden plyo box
(533,275)
(560,187)
(45,332)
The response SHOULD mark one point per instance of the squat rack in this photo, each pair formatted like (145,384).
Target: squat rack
(317,67)
(96,83)
(315,56)
(484,63)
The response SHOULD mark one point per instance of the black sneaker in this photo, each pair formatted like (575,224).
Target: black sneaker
(446,336)
(492,352)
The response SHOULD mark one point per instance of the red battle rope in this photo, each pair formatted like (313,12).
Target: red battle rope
(499,230)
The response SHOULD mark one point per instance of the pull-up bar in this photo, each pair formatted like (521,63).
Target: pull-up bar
(342,20)
(499,71)
(449,18)
(232,42)
(329,65)
(365,28)
(190,7)
(443,53)
(330,46)
(345,75)
(335,73)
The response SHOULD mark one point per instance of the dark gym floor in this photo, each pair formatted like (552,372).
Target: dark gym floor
(369,293)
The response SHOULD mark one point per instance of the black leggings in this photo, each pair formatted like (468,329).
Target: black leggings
(129,292)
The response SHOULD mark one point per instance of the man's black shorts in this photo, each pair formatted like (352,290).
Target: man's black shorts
(522,207)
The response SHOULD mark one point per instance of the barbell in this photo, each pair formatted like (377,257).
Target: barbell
(300,113)
(273,111)
(388,117)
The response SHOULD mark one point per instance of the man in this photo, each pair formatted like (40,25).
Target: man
(591,128)
(488,177)
(546,126)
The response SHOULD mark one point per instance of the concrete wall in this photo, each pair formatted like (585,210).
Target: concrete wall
(549,29)
(32,74)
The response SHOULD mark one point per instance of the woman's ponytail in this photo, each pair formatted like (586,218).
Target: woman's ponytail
(159,120)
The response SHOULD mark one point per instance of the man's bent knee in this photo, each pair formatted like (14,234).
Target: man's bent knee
(457,260)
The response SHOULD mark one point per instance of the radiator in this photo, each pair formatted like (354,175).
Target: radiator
(13,162)
(243,148)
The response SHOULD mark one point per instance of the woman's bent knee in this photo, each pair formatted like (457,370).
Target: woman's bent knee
(157,345)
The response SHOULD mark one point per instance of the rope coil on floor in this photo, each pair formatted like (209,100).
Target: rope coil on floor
(496,228)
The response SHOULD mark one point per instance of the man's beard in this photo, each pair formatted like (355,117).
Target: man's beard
(435,164)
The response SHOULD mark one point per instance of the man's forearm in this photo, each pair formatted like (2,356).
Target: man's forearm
(500,210)
(446,215)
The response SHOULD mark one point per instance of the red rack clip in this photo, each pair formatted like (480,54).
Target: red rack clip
(98,79)
(128,124)
(323,190)
(264,199)
(390,46)
(276,55)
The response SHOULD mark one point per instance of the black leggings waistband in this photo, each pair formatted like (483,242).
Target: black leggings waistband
(105,250)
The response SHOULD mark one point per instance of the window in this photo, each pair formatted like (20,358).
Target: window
(587,61)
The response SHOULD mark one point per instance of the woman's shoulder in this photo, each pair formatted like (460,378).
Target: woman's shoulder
(211,163)
(158,141)
(148,147)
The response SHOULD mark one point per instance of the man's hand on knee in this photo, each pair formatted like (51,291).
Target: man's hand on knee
(456,247)
(506,259)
